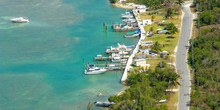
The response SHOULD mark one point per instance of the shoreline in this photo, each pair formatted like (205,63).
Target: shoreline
(130,60)
(120,5)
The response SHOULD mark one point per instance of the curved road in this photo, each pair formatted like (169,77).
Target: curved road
(181,58)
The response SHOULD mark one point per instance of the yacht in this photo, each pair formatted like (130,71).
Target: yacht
(94,70)
(19,20)
(129,20)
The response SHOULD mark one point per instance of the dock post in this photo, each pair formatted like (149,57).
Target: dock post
(106,28)
(83,66)
(103,24)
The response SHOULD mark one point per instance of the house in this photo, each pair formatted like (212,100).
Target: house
(139,62)
(147,22)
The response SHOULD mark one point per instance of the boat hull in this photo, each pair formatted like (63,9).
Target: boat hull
(95,72)
(13,21)
(131,36)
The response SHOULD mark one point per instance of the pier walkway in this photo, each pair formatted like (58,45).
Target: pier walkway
(130,59)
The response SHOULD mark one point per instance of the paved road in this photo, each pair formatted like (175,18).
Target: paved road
(181,58)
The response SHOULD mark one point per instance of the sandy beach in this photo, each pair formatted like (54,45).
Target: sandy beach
(120,5)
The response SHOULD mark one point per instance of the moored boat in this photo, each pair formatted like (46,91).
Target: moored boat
(103,104)
(94,70)
(129,20)
(127,15)
(19,20)
(132,34)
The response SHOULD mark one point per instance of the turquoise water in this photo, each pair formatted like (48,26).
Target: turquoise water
(41,62)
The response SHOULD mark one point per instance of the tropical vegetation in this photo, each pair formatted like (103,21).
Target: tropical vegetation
(156,47)
(204,57)
(146,90)
(172,28)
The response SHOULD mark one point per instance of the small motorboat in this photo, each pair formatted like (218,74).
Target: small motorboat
(103,104)
(91,69)
(19,20)
(132,34)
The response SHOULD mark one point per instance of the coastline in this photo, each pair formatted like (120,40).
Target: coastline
(120,5)
(127,68)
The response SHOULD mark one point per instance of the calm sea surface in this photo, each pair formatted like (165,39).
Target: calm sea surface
(41,62)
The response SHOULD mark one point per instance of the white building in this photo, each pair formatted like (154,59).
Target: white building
(139,62)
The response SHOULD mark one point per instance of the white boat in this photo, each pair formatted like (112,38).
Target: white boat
(94,70)
(19,20)
(129,20)
(103,104)
(132,34)
(127,15)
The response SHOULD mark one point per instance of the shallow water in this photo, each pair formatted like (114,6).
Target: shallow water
(41,63)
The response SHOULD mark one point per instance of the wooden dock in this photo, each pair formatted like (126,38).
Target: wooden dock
(109,51)
(108,58)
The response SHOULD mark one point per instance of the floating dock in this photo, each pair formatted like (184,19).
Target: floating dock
(112,67)
(125,28)
(109,58)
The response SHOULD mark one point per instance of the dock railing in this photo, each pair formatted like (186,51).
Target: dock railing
(130,60)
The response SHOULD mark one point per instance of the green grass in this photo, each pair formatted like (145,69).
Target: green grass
(169,43)
(172,102)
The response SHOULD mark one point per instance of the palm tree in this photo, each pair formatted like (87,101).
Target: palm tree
(156,47)
(173,80)
(173,29)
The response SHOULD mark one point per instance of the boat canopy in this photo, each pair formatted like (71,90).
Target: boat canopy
(91,65)
(138,31)
(131,33)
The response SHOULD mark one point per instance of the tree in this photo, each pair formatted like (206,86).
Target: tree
(173,79)
(156,47)
(169,13)
(179,2)
(161,64)
(151,29)
(206,18)
(153,17)
(172,28)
